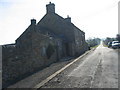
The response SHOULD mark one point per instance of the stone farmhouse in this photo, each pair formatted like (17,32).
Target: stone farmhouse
(42,44)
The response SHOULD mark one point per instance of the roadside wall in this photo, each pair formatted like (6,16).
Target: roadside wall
(19,64)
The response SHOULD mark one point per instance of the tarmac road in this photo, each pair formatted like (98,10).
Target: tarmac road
(99,69)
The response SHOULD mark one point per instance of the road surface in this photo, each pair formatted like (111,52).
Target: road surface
(98,69)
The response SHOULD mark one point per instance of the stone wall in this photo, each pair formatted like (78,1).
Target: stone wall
(17,64)
(80,44)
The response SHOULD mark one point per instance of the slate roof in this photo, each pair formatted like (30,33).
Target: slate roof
(57,25)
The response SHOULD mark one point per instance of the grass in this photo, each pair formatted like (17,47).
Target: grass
(105,45)
(94,47)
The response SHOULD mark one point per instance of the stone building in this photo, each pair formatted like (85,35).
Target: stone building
(42,44)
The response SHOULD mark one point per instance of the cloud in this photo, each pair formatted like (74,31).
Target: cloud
(93,16)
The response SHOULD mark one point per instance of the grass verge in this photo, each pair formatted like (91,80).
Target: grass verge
(94,47)
(105,45)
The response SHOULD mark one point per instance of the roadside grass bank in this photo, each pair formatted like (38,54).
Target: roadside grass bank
(105,45)
(94,47)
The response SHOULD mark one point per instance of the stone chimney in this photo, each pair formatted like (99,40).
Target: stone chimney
(50,7)
(68,19)
(33,22)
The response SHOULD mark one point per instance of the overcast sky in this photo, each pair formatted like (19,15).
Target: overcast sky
(97,18)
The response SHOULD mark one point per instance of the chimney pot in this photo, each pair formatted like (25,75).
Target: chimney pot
(33,21)
(68,19)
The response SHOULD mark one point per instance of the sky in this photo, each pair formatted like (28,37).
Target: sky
(97,18)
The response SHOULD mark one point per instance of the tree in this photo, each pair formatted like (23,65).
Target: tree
(118,37)
(108,39)
(93,41)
